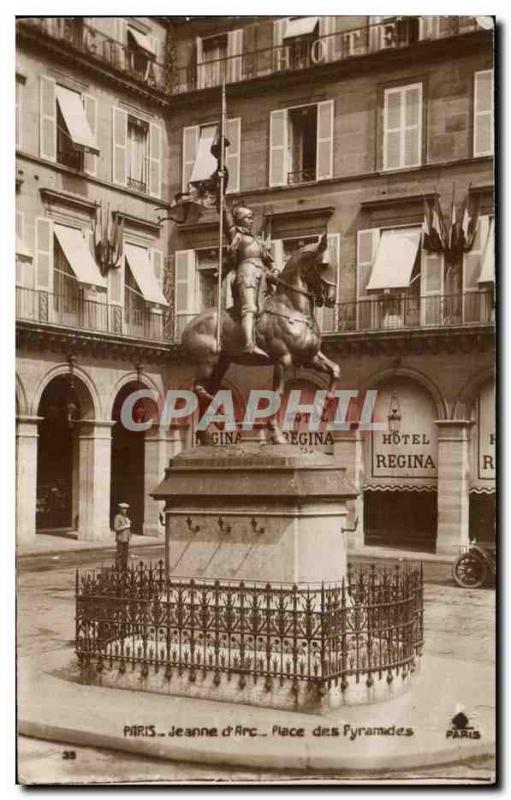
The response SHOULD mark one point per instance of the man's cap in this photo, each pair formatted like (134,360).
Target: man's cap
(122,505)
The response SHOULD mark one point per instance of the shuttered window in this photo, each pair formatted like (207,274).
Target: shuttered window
(367,245)
(402,127)
(184,288)
(119,146)
(155,159)
(483,113)
(192,150)
(90,163)
(301,144)
(47,119)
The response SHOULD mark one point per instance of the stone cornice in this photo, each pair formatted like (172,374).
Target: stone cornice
(137,222)
(68,199)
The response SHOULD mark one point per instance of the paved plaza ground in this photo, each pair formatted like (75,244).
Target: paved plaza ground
(458,623)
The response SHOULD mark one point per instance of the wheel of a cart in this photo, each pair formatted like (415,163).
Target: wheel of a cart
(469,572)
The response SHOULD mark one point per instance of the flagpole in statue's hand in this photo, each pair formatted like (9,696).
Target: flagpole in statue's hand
(221,226)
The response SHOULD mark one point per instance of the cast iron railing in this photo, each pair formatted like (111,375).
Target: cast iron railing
(368,626)
(301,176)
(74,311)
(391,34)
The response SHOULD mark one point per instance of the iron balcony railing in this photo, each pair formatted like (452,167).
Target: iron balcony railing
(301,176)
(74,311)
(391,34)
(138,186)
(396,312)
(367,627)
(400,311)
(76,34)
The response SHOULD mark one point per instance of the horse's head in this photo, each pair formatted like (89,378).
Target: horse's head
(317,273)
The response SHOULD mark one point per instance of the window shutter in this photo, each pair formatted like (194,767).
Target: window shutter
(44,253)
(91,112)
(281,51)
(367,245)
(392,129)
(327,317)
(115,282)
(277,252)
(184,292)
(234,51)
(375,33)
(472,264)
(412,123)
(428,27)
(121,34)
(119,146)
(327,27)
(19,261)
(483,113)
(201,70)
(432,287)
(47,119)
(190,146)
(278,148)
(402,127)
(155,159)
(233,153)
(157,259)
(325,136)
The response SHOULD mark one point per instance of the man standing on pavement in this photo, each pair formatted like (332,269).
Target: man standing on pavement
(122,530)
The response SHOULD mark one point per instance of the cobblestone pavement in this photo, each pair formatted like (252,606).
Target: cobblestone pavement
(459,623)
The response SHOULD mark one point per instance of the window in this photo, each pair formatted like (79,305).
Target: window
(68,124)
(483,113)
(20,83)
(138,139)
(219,57)
(301,144)
(140,53)
(302,138)
(207,278)
(402,127)
(198,161)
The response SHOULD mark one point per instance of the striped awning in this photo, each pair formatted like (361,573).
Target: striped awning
(301,26)
(71,107)
(395,258)
(79,256)
(143,272)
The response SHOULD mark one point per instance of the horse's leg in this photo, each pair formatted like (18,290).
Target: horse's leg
(207,383)
(323,364)
(276,435)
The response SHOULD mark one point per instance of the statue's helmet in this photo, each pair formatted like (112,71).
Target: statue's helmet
(240,211)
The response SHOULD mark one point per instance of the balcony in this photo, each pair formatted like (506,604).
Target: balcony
(395,33)
(80,314)
(74,34)
(401,312)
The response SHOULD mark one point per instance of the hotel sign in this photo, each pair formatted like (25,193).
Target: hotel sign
(407,448)
(486,433)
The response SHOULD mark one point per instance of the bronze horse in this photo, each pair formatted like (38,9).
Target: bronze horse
(286,329)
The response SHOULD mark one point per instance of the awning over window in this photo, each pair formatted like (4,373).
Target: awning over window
(142,41)
(23,249)
(303,26)
(395,257)
(71,106)
(79,256)
(205,163)
(488,269)
(142,269)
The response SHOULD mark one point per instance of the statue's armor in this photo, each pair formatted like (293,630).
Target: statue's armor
(251,259)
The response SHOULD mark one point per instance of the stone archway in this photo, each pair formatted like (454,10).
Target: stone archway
(61,484)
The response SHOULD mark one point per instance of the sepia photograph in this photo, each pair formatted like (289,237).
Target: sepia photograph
(255,314)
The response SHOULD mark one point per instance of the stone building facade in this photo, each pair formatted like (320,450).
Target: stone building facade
(344,125)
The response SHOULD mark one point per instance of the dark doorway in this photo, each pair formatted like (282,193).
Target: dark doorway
(128,463)
(482,516)
(401,519)
(57,457)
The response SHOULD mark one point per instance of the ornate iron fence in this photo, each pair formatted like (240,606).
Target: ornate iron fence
(368,626)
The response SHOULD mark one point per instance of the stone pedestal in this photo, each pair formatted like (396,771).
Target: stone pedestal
(95,451)
(453,485)
(348,452)
(26,478)
(159,445)
(255,513)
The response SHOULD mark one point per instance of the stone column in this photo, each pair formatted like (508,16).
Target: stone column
(26,478)
(348,452)
(160,445)
(453,484)
(95,458)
